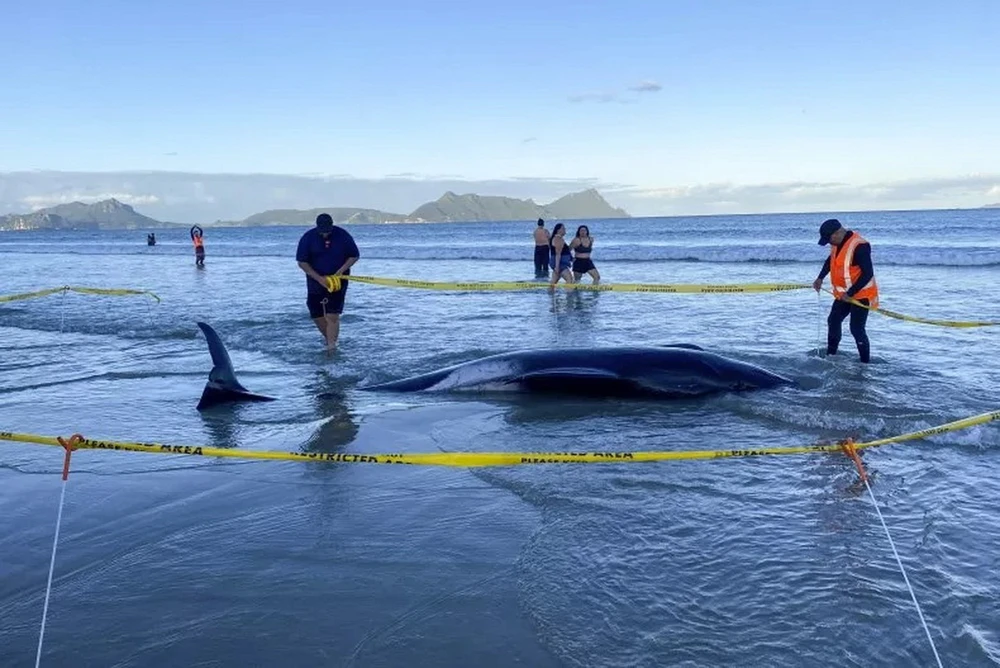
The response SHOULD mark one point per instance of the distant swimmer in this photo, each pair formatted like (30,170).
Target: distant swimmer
(582,246)
(560,257)
(151,239)
(852,275)
(199,245)
(326,250)
(541,250)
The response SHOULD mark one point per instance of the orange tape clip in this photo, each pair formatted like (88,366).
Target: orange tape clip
(69,446)
(848,447)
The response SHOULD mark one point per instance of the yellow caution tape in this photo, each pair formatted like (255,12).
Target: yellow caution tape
(118,292)
(333,283)
(926,321)
(602,287)
(478,459)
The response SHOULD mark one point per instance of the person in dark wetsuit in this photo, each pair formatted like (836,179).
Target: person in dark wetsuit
(151,239)
(582,245)
(560,256)
(199,246)
(541,250)
(852,277)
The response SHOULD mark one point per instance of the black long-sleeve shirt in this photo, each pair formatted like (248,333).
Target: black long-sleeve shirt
(862,259)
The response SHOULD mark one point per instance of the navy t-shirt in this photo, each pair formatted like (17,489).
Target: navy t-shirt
(327,255)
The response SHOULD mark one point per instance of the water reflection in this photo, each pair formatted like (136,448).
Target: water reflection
(338,428)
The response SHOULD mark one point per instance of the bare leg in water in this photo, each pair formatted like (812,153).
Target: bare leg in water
(329,327)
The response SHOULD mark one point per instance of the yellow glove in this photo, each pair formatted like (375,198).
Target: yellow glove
(332,283)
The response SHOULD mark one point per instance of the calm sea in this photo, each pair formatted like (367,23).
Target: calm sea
(185,561)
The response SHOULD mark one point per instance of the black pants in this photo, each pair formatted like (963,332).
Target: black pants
(541,261)
(859,317)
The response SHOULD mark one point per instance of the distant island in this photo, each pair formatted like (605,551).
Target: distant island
(108,214)
(992,206)
(449,208)
(342,215)
(461,208)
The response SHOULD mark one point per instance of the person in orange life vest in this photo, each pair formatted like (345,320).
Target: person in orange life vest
(199,246)
(852,275)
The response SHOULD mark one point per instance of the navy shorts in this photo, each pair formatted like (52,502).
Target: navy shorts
(564,263)
(334,301)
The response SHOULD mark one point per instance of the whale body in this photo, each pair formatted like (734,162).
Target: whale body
(666,372)
(674,371)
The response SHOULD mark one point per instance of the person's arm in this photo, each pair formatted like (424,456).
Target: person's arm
(312,273)
(825,270)
(557,253)
(347,265)
(353,255)
(862,258)
(302,257)
(818,283)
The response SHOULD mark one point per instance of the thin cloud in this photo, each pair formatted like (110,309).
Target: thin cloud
(204,198)
(529,140)
(36,202)
(971,191)
(647,87)
(601,98)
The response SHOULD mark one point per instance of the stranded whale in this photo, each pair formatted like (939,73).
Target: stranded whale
(666,372)
(676,371)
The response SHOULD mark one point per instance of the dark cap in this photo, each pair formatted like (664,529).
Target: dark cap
(324,222)
(541,222)
(826,229)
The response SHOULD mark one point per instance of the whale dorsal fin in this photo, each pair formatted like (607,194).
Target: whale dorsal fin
(222,367)
(222,385)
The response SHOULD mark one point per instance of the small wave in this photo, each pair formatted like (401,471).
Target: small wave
(990,648)
(885,255)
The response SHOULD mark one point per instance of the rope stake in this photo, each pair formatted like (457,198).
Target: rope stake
(69,446)
(850,451)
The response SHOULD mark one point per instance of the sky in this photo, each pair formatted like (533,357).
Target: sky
(666,107)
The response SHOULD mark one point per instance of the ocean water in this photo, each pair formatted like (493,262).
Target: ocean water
(174,560)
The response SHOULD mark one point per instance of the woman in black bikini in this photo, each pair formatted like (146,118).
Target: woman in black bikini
(582,244)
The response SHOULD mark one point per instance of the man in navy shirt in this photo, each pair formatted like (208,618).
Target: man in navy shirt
(326,250)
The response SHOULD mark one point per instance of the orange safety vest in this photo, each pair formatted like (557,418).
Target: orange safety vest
(843,274)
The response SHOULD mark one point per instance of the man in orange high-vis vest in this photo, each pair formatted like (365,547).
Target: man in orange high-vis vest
(851,275)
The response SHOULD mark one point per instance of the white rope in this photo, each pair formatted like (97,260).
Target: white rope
(62,311)
(819,325)
(52,567)
(55,539)
(903,571)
